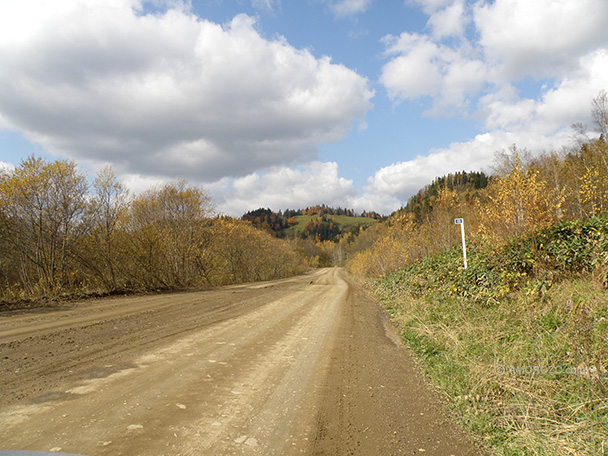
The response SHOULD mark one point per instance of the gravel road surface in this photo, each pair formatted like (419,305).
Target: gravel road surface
(305,365)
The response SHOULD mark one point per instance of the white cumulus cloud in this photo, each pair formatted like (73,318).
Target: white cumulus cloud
(450,21)
(541,38)
(391,186)
(482,72)
(511,40)
(167,93)
(284,188)
(343,8)
(421,66)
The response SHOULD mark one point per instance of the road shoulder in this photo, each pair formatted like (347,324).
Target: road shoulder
(375,400)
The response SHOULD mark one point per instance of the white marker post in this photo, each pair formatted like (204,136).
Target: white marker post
(460,222)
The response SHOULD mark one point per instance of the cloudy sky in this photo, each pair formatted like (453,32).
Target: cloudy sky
(286,104)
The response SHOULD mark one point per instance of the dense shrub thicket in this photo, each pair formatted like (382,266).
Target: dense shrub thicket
(58,236)
(533,262)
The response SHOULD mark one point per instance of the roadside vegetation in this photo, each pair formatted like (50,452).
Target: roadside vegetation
(60,236)
(518,341)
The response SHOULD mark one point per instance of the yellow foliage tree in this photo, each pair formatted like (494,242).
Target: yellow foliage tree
(392,249)
(44,203)
(165,228)
(242,253)
(104,254)
(519,199)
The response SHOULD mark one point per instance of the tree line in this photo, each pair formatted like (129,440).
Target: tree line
(323,228)
(525,193)
(61,235)
(268,220)
(466,183)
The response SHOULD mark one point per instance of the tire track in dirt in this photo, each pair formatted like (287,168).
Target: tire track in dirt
(297,366)
(107,333)
(375,400)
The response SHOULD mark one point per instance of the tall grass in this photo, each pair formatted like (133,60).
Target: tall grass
(518,342)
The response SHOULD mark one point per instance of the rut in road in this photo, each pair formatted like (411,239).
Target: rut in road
(297,366)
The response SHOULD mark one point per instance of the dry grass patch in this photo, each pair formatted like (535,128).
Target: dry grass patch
(527,375)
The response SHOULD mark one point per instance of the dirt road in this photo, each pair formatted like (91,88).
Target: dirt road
(306,365)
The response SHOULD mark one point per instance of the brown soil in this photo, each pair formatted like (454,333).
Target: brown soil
(306,365)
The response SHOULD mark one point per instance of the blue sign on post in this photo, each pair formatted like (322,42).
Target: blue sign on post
(460,222)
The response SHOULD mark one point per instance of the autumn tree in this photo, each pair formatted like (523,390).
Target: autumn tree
(394,244)
(56,238)
(440,225)
(104,254)
(599,112)
(519,198)
(44,204)
(242,253)
(8,265)
(585,177)
(166,227)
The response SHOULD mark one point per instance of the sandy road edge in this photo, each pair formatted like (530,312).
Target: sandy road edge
(376,399)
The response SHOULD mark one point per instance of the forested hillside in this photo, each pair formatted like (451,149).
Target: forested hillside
(524,194)
(465,184)
(320,223)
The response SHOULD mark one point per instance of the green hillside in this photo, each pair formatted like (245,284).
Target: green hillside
(343,221)
(320,223)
